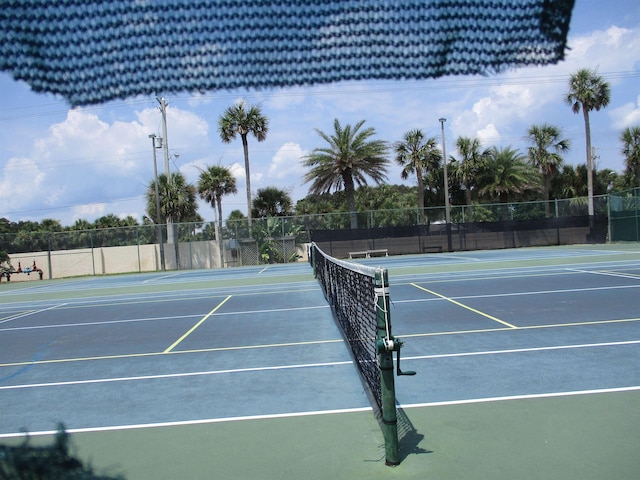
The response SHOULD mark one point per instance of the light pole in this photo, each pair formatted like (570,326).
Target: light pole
(154,146)
(447,206)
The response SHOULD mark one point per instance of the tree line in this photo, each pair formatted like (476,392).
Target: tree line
(350,158)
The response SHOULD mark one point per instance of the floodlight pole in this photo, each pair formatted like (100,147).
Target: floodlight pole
(447,206)
(157,219)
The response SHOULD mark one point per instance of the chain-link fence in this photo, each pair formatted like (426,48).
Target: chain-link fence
(624,216)
(267,240)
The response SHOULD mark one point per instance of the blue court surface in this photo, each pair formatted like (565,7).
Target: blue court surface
(512,349)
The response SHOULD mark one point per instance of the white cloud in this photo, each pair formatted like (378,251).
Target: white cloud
(86,162)
(286,162)
(21,183)
(489,135)
(517,99)
(626,115)
(238,171)
(92,210)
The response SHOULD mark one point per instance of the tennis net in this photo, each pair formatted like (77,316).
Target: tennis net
(350,289)
(359,299)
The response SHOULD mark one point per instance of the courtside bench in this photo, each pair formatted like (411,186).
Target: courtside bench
(370,253)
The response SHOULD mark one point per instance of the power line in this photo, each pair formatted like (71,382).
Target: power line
(349,88)
(66,207)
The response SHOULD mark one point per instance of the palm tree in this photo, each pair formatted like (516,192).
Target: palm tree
(244,119)
(418,156)
(272,202)
(630,139)
(569,182)
(348,159)
(213,183)
(505,175)
(466,170)
(177,198)
(177,201)
(108,221)
(544,138)
(588,91)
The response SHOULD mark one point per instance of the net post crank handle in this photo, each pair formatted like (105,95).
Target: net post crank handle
(399,372)
(394,345)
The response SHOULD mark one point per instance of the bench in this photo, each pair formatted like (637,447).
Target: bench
(369,253)
(432,248)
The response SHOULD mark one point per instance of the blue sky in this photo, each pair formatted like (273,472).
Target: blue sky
(87,162)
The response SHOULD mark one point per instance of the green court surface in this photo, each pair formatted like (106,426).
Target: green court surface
(528,366)
(583,437)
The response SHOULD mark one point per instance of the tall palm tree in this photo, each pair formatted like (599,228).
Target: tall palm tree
(630,139)
(418,156)
(272,202)
(545,154)
(242,119)
(506,175)
(347,160)
(588,91)
(468,167)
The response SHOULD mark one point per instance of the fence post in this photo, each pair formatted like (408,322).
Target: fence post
(49,255)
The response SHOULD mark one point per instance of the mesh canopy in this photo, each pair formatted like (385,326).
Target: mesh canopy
(93,51)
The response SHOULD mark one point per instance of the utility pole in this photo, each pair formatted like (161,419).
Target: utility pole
(165,143)
(447,206)
(165,149)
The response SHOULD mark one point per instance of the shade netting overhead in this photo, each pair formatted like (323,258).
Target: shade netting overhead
(93,51)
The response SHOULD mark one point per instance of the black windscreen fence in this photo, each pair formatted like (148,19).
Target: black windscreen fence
(434,238)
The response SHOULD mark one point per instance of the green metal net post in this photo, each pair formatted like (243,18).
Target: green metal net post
(389,417)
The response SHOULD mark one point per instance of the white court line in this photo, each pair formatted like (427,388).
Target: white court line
(33,312)
(517,294)
(521,350)
(162,277)
(521,397)
(608,274)
(308,365)
(320,412)
(190,422)
(173,375)
(155,319)
(89,324)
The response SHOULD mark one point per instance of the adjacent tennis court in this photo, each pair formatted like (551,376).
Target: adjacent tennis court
(527,361)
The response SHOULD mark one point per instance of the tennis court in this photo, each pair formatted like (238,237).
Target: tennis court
(527,360)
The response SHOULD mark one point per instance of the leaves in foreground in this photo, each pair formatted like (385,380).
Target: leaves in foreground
(28,462)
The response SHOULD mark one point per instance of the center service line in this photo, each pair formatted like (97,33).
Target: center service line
(465,306)
(192,329)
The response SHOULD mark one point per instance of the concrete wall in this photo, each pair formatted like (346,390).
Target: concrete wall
(112,260)
(129,259)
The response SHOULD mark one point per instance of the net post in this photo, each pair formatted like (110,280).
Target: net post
(389,417)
